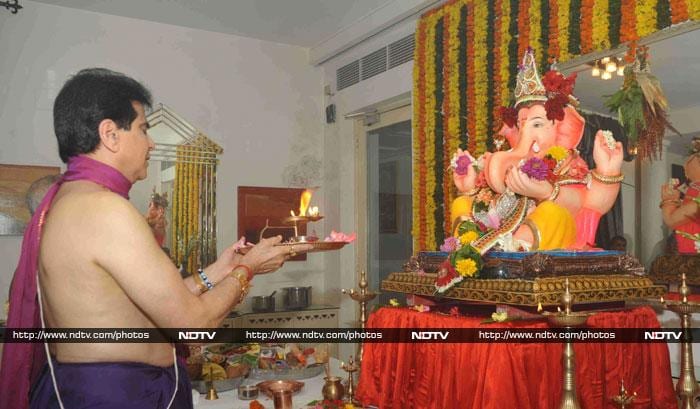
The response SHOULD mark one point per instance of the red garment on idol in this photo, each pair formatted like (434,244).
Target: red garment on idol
(685,245)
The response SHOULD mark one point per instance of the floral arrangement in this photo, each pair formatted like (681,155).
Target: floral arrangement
(464,260)
(466,58)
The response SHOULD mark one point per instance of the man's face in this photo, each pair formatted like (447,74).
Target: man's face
(137,146)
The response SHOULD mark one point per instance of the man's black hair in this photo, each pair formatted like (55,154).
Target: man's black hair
(89,97)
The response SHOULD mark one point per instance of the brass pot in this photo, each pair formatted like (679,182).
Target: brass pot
(333,388)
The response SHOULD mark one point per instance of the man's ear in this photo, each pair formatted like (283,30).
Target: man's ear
(109,137)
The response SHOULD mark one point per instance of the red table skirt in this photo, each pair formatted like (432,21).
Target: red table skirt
(510,376)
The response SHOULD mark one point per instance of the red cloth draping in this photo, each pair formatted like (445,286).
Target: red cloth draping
(509,376)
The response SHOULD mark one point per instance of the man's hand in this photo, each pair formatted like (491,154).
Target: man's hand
(265,257)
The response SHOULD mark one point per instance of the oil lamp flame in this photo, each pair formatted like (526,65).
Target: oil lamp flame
(304,203)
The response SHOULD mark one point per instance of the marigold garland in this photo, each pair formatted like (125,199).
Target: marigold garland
(600,24)
(563,13)
(679,11)
(628,24)
(587,26)
(482,43)
(645,12)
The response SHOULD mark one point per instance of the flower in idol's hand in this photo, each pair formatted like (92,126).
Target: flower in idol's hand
(535,168)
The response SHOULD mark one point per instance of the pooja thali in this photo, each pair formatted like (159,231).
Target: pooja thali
(316,246)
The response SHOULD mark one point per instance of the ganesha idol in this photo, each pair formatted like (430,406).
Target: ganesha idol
(539,194)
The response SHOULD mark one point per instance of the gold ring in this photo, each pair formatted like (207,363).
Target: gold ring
(292,253)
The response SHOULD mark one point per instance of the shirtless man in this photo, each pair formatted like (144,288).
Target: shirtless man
(99,265)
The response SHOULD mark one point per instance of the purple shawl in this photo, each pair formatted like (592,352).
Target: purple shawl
(22,363)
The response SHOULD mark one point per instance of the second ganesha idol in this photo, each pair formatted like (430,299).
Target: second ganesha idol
(539,194)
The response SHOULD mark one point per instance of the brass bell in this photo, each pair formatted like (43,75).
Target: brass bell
(211,394)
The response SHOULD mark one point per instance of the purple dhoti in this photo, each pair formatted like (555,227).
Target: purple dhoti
(122,385)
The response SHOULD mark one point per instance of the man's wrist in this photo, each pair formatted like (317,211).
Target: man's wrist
(245,269)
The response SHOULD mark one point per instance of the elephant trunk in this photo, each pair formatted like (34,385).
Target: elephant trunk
(497,165)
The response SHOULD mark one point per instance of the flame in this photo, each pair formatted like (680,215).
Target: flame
(304,203)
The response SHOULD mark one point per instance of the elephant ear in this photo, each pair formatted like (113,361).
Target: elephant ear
(570,129)
(511,133)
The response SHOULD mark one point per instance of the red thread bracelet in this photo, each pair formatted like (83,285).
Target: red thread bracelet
(249,271)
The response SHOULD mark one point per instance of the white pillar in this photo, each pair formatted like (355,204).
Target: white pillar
(654,174)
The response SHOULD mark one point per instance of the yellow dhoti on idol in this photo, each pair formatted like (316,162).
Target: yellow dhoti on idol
(552,225)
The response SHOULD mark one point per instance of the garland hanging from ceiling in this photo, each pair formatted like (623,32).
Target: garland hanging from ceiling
(466,57)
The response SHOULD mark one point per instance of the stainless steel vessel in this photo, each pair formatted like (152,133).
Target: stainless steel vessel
(297,298)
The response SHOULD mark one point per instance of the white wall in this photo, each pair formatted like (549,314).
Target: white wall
(339,153)
(261,101)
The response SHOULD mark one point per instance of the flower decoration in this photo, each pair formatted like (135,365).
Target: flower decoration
(421,308)
(394,302)
(557,153)
(461,162)
(536,168)
(556,83)
(508,115)
(451,244)
(499,316)
(555,107)
(466,267)
(468,237)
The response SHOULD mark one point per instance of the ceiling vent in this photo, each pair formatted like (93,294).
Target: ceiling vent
(377,62)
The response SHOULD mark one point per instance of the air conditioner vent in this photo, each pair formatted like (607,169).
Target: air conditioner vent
(401,51)
(348,75)
(373,64)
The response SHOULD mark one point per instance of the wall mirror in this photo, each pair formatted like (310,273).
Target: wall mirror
(178,198)
(676,67)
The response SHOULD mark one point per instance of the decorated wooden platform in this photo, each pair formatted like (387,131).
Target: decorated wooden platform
(530,292)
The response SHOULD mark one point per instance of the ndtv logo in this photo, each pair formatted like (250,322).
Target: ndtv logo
(196,335)
(664,335)
(436,335)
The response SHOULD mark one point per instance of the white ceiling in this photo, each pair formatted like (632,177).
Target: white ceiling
(299,22)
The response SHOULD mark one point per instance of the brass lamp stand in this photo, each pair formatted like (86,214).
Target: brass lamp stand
(687,387)
(351,367)
(363,296)
(568,319)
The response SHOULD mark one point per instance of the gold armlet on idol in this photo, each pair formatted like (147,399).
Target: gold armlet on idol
(472,191)
(664,202)
(535,234)
(555,192)
(243,283)
(607,180)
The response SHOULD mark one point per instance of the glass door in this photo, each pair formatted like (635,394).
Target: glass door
(385,198)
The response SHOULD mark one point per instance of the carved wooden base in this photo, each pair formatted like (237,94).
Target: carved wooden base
(667,268)
(530,292)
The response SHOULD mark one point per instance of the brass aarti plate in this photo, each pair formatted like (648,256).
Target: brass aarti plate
(530,292)
(316,246)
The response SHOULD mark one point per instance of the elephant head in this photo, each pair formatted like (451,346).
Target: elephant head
(532,136)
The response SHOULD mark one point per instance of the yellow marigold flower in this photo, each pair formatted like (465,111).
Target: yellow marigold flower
(499,316)
(349,406)
(558,153)
(466,267)
(394,302)
(468,237)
